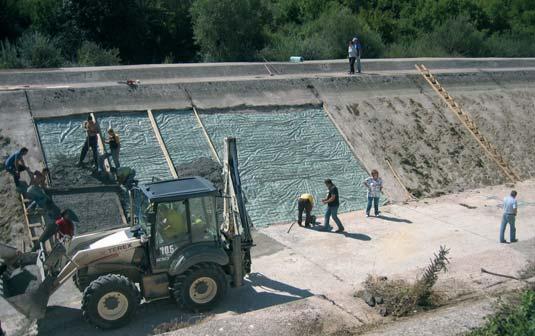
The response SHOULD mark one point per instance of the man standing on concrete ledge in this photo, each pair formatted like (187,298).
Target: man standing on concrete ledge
(305,203)
(91,141)
(509,217)
(333,203)
(358,49)
(352,57)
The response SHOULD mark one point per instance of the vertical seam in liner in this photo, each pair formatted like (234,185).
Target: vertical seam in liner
(163,147)
(205,132)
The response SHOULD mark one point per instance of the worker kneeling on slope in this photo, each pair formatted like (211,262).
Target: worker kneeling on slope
(305,203)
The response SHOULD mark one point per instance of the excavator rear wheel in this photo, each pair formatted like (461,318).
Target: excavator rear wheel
(200,288)
(110,301)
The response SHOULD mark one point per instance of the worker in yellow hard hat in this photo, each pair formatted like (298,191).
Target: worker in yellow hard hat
(305,203)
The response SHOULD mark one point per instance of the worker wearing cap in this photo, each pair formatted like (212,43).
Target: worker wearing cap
(358,50)
(305,203)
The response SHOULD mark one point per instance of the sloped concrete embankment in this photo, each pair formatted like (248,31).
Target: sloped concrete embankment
(383,117)
(402,120)
(504,110)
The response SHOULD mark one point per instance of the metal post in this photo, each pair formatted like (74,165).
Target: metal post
(237,261)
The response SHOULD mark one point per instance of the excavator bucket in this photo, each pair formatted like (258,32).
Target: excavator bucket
(23,283)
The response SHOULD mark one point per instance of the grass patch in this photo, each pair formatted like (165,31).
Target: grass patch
(515,316)
(400,297)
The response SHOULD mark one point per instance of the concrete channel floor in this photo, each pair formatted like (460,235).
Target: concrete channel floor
(304,280)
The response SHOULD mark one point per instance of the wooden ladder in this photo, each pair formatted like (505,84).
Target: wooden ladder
(34,222)
(490,150)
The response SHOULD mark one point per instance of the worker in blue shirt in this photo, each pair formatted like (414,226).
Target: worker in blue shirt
(14,164)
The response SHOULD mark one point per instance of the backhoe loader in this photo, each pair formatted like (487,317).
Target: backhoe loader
(174,247)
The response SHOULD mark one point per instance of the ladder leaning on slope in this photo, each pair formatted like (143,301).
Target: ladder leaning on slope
(468,122)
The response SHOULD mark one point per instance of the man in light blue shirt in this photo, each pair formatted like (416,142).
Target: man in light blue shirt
(509,217)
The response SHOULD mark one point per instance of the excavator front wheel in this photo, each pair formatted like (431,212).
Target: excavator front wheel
(110,301)
(200,288)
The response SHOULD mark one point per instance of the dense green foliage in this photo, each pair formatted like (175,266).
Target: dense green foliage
(91,54)
(100,32)
(515,318)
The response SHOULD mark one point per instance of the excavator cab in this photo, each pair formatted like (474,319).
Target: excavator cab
(178,215)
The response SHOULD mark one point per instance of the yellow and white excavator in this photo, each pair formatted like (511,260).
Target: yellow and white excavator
(174,246)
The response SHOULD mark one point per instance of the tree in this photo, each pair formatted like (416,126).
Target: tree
(228,30)
(325,37)
(13,21)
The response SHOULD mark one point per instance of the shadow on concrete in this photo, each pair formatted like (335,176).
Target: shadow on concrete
(357,236)
(258,292)
(65,321)
(394,219)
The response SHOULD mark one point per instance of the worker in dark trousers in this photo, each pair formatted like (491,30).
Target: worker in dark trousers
(333,202)
(14,164)
(91,141)
(305,203)
(358,50)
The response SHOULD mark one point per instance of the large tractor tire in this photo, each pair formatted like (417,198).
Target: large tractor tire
(110,301)
(200,288)
(81,279)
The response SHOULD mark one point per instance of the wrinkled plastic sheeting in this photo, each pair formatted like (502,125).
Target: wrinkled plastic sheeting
(285,153)
(61,137)
(139,147)
(182,135)
(95,211)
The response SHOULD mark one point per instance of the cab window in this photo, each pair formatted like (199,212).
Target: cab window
(171,229)
(203,219)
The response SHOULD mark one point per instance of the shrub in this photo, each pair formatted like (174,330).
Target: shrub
(516,316)
(9,56)
(91,54)
(399,297)
(459,36)
(422,46)
(454,37)
(510,44)
(39,51)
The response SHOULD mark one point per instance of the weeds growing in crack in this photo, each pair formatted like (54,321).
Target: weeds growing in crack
(400,297)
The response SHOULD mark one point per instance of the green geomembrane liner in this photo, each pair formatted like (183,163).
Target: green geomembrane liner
(182,135)
(61,137)
(285,153)
(282,153)
(139,147)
